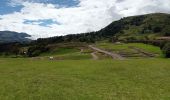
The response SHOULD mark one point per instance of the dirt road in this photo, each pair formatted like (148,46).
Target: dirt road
(113,55)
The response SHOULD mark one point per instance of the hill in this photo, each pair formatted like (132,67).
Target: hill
(9,36)
(141,27)
(130,29)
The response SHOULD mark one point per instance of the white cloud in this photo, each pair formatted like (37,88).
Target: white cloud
(129,7)
(89,15)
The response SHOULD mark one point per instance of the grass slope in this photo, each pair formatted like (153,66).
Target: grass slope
(67,53)
(60,51)
(27,79)
(141,27)
(127,48)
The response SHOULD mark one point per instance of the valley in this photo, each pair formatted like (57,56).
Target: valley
(127,60)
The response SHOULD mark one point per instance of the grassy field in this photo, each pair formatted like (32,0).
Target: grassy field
(135,79)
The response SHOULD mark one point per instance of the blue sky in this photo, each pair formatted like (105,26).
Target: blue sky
(44,22)
(46,18)
(6,8)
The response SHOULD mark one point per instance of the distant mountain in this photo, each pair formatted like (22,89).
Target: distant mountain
(9,36)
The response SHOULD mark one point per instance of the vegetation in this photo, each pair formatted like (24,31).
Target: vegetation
(73,56)
(36,50)
(166,50)
(66,53)
(9,49)
(60,51)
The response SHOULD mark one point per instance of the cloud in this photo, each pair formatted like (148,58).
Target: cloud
(88,15)
(130,7)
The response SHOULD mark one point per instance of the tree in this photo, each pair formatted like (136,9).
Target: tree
(166,50)
(157,29)
(36,50)
(167,31)
(113,39)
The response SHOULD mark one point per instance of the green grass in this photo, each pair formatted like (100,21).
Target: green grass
(60,51)
(141,79)
(127,47)
(74,56)
(65,53)
(146,47)
(149,48)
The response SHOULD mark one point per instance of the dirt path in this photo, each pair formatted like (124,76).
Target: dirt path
(95,57)
(113,55)
(82,50)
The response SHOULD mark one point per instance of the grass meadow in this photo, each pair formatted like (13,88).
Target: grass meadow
(133,79)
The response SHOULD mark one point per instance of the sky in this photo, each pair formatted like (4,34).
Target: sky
(47,18)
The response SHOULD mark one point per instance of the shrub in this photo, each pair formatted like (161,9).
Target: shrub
(36,53)
(166,50)
(36,50)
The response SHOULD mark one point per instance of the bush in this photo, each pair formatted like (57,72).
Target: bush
(36,53)
(166,50)
(36,50)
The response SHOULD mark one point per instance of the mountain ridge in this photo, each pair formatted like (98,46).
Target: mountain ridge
(10,36)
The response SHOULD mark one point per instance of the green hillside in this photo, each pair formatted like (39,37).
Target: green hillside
(140,27)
